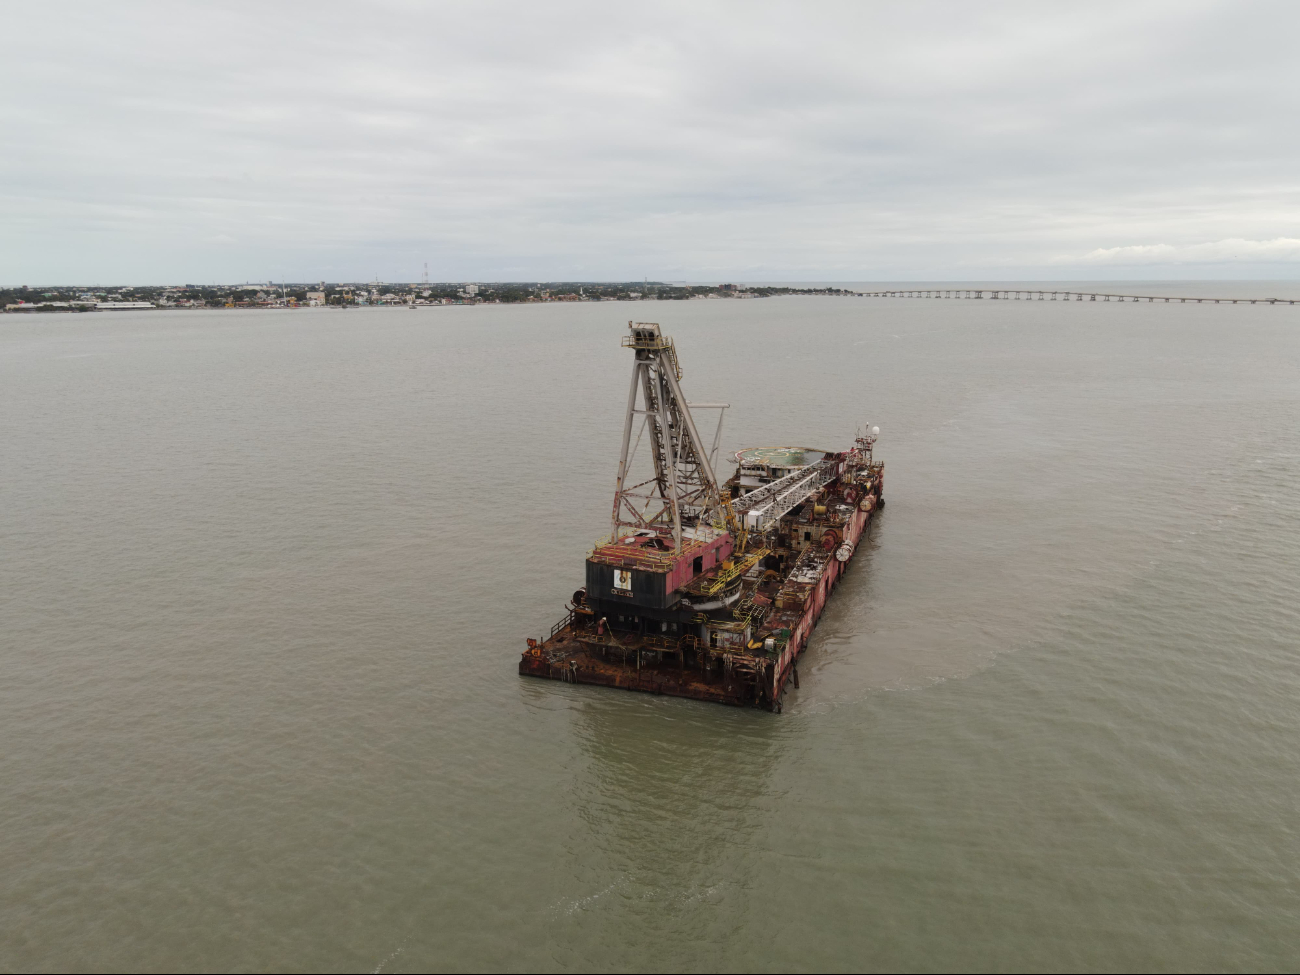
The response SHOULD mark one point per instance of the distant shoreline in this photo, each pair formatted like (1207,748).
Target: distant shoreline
(976,294)
(81,299)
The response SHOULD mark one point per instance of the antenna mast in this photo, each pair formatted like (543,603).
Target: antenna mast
(683,489)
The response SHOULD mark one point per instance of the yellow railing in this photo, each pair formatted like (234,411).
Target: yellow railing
(727,576)
(655,558)
(658,342)
(730,524)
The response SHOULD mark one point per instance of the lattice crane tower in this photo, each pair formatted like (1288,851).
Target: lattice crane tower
(683,488)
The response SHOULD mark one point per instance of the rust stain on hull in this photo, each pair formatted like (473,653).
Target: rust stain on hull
(704,590)
(573,655)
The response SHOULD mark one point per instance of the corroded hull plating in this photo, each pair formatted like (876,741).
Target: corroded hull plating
(566,657)
(707,590)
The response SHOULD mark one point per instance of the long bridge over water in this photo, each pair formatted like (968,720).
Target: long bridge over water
(1023,295)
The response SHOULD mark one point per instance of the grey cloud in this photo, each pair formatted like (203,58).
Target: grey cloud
(155,142)
(1282,250)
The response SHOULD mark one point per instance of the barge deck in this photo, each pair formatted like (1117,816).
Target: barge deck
(706,590)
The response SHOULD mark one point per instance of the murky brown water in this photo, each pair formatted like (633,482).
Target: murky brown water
(264,578)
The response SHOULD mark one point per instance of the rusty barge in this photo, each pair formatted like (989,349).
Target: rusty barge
(704,589)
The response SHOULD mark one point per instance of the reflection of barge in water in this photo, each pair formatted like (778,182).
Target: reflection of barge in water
(705,590)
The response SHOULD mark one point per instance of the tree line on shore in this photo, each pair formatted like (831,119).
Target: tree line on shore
(82,297)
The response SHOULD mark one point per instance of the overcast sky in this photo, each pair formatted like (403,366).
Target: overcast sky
(218,142)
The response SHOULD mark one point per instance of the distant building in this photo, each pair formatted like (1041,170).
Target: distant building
(315,298)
